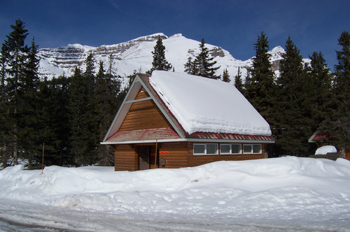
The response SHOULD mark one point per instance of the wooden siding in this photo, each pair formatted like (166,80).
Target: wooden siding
(175,155)
(347,152)
(144,115)
(125,158)
(141,94)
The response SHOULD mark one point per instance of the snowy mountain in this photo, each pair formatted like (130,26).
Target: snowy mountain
(136,55)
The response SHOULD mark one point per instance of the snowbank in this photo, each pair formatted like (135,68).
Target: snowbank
(206,105)
(269,187)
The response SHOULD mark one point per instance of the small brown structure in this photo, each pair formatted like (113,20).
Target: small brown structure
(147,131)
(319,138)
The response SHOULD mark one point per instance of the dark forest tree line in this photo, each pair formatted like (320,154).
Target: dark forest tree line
(68,116)
(304,98)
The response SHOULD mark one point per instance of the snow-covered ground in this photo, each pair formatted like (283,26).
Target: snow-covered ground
(279,194)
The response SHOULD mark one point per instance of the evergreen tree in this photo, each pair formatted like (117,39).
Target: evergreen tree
(190,66)
(321,89)
(338,125)
(260,86)
(111,63)
(159,60)
(29,120)
(107,89)
(4,155)
(204,63)
(294,106)
(82,120)
(15,54)
(131,78)
(56,131)
(238,81)
(226,76)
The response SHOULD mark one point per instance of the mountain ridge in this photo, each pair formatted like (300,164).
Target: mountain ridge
(136,55)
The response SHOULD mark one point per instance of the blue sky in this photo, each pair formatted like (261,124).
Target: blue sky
(314,25)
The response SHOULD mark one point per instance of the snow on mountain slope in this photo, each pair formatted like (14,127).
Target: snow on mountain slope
(136,55)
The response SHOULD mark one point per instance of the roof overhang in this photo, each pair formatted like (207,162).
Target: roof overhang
(187,140)
(317,136)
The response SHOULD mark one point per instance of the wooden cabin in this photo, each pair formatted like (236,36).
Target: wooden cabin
(173,120)
(320,139)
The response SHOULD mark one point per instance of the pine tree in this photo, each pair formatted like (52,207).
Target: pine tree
(4,154)
(29,120)
(204,63)
(190,66)
(226,76)
(338,124)
(107,88)
(56,131)
(321,89)
(111,63)
(260,86)
(159,60)
(82,120)
(15,68)
(238,81)
(294,106)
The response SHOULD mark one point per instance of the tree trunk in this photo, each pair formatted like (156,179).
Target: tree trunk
(342,153)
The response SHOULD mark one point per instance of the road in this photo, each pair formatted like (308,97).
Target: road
(28,217)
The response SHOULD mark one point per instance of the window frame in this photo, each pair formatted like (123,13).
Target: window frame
(241,149)
(252,149)
(231,150)
(225,144)
(206,149)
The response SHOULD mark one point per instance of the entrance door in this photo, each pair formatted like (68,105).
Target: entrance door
(143,153)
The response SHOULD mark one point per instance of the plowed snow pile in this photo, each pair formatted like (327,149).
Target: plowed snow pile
(311,192)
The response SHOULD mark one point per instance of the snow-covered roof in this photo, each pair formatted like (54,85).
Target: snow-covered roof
(207,105)
(326,149)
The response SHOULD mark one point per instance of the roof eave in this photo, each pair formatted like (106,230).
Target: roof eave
(189,140)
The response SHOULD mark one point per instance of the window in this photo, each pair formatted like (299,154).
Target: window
(236,149)
(205,149)
(252,149)
(199,149)
(226,149)
(257,148)
(212,149)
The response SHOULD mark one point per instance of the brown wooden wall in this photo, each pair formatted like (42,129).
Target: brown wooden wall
(175,155)
(347,152)
(141,94)
(144,115)
(125,158)
(195,160)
